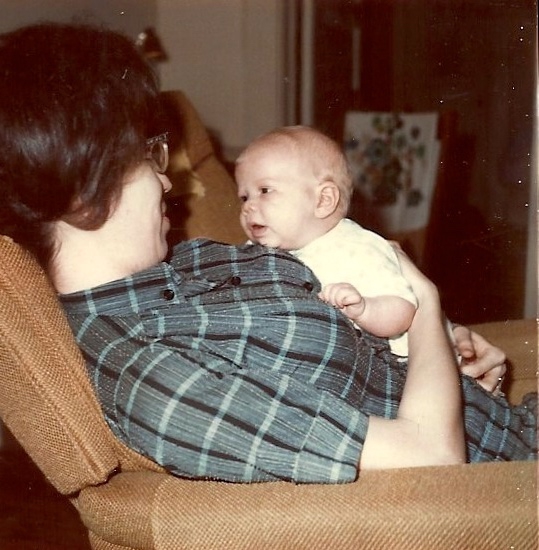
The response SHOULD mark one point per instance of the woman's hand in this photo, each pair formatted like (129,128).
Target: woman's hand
(480,359)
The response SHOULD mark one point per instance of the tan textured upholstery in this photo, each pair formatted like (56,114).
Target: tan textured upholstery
(471,506)
(37,403)
(46,399)
(127,502)
(205,192)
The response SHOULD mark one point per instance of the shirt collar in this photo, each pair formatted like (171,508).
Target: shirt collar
(145,290)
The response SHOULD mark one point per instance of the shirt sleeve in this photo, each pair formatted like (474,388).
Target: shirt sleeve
(200,417)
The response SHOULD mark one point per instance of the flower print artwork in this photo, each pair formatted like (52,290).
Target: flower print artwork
(393,158)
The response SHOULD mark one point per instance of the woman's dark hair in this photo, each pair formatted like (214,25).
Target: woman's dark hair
(77,104)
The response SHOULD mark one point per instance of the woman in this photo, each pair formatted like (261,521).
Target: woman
(220,363)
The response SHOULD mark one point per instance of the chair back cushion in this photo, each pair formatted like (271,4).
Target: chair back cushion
(46,399)
(203,201)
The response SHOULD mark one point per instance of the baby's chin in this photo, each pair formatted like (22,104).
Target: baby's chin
(266,241)
(265,237)
(273,243)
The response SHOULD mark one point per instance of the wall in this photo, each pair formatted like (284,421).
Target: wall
(487,76)
(424,55)
(228,57)
(531,309)
(128,16)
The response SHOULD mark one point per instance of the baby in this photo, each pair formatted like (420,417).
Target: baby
(295,186)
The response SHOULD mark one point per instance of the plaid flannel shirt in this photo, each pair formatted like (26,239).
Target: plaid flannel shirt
(223,364)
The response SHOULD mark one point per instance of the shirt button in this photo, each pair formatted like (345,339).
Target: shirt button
(307,285)
(168,294)
(235,281)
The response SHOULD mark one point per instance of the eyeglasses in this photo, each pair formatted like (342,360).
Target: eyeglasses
(157,152)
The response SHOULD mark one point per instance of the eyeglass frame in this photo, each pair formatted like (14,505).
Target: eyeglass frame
(160,140)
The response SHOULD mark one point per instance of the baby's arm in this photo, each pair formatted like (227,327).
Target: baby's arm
(383,316)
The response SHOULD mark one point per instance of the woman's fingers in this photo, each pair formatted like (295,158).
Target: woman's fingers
(481,360)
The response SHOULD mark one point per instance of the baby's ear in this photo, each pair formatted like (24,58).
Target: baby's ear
(328,199)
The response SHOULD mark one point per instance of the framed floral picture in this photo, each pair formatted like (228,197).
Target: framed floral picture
(394,159)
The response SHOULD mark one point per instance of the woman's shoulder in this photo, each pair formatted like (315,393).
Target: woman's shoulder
(204,255)
(210,250)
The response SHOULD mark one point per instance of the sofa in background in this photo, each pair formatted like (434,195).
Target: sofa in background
(128,502)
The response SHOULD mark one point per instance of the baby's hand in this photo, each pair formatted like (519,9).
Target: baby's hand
(344,296)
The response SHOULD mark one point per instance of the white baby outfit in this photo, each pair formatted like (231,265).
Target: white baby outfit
(351,254)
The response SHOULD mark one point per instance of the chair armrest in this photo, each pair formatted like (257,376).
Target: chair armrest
(491,505)
(121,511)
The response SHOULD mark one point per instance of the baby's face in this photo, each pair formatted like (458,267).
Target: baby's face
(278,196)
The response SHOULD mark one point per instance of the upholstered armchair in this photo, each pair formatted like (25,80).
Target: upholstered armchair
(128,502)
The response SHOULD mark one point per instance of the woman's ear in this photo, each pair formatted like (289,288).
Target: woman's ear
(328,196)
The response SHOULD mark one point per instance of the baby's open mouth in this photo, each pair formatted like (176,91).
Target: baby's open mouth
(257,229)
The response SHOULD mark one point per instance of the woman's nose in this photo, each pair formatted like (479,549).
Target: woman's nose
(165,182)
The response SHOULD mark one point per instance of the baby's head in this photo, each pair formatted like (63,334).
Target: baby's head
(295,185)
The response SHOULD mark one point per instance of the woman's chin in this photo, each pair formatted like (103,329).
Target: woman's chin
(166,224)
(165,228)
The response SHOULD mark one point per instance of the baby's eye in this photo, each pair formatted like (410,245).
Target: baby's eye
(265,190)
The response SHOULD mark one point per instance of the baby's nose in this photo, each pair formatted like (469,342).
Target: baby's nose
(248,205)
